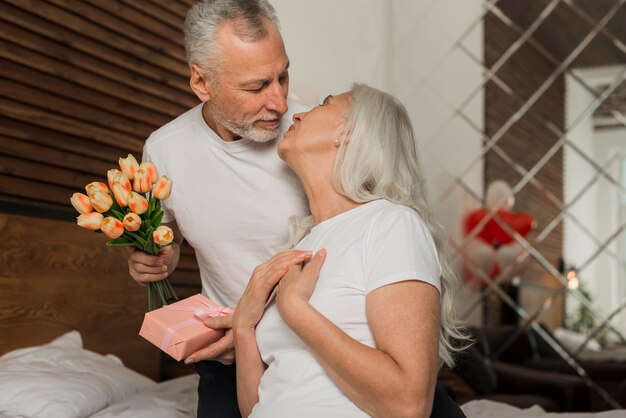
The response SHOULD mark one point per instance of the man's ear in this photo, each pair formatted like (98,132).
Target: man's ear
(199,83)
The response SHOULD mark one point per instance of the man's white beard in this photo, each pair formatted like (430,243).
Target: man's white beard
(247,129)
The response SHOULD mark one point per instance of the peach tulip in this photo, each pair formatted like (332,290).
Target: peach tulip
(142,183)
(163,235)
(150,169)
(132,222)
(81,203)
(111,175)
(96,186)
(121,194)
(101,202)
(129,166)
(137,203)
(91,220)
(116,176)
(112,227)
(162,188)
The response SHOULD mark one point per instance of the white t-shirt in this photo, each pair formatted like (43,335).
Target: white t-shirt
(370,246)
(231,200)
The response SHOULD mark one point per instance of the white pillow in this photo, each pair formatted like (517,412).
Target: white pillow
(61,379)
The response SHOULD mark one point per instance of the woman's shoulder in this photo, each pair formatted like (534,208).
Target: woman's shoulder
(390,211)
(387,217)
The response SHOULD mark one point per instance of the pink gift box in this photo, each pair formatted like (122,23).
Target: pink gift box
(178,328)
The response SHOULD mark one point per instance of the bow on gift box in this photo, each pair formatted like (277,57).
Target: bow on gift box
(212,312)
(203,313)
(208,311)
(493,249)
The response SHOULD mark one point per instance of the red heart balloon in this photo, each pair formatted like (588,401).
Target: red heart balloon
(492,233)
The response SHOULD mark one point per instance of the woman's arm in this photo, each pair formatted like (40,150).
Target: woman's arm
(250,368)
(398,377)
(250,308)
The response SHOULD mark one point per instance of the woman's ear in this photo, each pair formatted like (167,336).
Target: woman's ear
(342,133)
(346,134)
(343,139)
(199,83)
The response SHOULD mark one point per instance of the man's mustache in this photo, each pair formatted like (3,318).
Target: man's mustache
(271,116)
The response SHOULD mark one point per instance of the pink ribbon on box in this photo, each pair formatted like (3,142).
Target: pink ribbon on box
(199,315)
(213,311)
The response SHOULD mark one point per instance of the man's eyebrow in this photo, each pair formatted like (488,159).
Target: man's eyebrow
(257,82)
(263,81)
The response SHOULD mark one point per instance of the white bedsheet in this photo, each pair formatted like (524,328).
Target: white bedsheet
(491,409)
(176,398)
(63,380)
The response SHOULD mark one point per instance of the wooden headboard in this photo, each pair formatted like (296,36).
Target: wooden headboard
(56,277)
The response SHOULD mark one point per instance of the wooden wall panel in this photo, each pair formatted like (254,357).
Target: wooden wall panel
(57,278)
(100,74)
(82,83)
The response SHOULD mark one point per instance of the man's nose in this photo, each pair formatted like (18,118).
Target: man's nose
(277,100)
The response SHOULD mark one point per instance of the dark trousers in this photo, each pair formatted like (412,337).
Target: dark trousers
(217,390)
(444,406)
(217,394)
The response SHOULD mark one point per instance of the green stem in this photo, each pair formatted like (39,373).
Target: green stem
(151,304)
(136,237)
(160,293)
(171,290)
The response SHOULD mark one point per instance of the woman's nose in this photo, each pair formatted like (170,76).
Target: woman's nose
(297,117)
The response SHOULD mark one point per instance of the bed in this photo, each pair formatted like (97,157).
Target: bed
(69,322)
(63,379)
(69,318)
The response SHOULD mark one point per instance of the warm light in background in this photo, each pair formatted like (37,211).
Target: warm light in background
(572,280)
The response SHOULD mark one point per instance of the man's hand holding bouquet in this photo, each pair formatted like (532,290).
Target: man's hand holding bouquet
(128,211)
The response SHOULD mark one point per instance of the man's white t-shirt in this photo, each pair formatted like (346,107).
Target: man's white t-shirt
(231,200)
(370,246)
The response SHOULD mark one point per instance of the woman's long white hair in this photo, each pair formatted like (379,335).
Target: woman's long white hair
(380,161)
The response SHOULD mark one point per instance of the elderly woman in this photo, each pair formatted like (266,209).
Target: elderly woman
(360,319)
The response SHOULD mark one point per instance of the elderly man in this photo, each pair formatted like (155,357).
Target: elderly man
(232,195)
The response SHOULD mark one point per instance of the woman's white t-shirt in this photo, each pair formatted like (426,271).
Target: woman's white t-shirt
(370,246)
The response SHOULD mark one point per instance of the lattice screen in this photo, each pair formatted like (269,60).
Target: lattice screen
(554,131)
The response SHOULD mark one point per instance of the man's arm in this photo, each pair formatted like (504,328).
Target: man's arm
(146,268)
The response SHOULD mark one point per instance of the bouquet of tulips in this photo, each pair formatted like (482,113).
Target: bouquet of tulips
(130,214)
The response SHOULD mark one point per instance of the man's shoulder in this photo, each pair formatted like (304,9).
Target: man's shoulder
(175,129)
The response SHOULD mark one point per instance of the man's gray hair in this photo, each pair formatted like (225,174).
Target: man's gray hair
(205,17)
